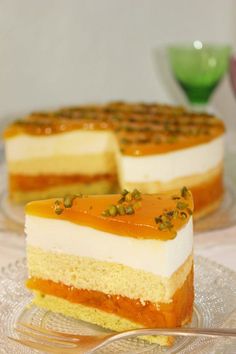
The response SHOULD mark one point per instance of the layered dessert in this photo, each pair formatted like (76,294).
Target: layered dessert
(106,148)
(117,261)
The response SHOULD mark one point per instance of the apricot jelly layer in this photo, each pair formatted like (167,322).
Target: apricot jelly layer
(172,314)
(206,193)
(26,183)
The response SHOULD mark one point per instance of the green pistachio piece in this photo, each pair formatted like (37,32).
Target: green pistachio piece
(158,219)
(183,215)
(136,194)
(181,205)
(113,210)
(121,209)
(124,192)
(128,197)
(184,192)
(129,210)
(68,200)
(57,207)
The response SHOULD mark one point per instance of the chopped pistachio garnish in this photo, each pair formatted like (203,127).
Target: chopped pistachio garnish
(126,205)
(184,192)
(181,205)
(167,225)
(158,219)
(162,227)
(129,210)
(58,207)
(164,220)
(121,209)
(183,215)
(170,214)
(176,214)
(124,192)
(112,210)
(68,200)
(128,197)
(121,200)
(136,194)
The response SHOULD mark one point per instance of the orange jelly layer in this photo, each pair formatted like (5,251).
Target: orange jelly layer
(206,193)
(165,315)
(30,183)
(87,211)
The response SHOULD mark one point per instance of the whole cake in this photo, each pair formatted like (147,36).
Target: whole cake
(118,261)
(104,149)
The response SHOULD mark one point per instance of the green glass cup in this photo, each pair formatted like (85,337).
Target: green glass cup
(198,68)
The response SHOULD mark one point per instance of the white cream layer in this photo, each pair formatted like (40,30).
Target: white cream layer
(142,169)
(162,258)
(79,142)
(175,164)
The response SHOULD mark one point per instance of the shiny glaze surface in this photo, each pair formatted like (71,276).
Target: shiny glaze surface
(141,129)
(87,211)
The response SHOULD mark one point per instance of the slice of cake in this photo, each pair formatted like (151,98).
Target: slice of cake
(118,261)
(104,149)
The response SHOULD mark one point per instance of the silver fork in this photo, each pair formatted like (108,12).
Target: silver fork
(52,341)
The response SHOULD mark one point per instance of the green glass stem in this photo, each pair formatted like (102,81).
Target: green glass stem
(198,94)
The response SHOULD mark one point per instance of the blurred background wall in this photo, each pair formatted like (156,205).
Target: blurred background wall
(60,52)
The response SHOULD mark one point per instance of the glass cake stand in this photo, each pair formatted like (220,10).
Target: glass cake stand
(214,307)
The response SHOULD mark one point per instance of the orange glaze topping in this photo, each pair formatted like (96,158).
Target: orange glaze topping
(141,129)
(144,223)
(148,314)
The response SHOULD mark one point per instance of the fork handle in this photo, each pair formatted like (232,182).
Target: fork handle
(196,332)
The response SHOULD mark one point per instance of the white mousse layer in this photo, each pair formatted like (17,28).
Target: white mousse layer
(79,142)
(162,258)
(175,164)
(141,169)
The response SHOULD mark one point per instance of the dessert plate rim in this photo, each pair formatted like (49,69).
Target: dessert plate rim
(210,307)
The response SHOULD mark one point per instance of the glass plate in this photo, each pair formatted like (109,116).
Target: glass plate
(12,216)
(215,289)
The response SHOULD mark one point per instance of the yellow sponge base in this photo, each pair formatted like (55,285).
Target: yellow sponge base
(94,316)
